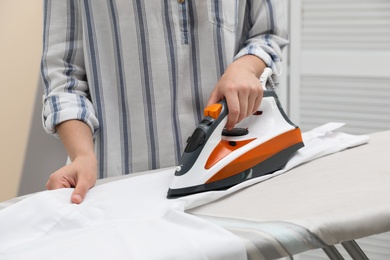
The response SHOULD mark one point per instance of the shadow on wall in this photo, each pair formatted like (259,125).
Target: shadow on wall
(44,153)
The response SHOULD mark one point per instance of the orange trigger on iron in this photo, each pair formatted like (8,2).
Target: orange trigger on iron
(213,110)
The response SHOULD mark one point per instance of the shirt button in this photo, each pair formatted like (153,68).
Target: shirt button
(181,1)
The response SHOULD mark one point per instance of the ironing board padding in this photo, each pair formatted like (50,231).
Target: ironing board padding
(340,197)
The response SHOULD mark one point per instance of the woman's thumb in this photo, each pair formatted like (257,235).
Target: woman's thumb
(80,191)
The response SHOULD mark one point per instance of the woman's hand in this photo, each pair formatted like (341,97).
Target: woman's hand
(241,87)
(81,174)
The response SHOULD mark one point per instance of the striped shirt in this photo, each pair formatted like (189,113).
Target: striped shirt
(139,73)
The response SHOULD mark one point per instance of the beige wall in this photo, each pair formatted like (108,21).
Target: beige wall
(20,50)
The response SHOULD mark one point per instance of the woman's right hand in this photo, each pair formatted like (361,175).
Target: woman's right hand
(80,174)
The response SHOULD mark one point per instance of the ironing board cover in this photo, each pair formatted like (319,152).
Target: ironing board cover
(339,197)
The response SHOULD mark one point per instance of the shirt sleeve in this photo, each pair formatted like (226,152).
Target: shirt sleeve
(66,91)
(267,33)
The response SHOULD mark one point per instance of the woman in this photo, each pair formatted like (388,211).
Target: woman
(126,81)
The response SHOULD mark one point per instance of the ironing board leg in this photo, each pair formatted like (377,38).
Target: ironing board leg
(354,250)
(332,253)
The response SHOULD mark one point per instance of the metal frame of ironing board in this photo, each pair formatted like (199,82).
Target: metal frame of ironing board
(352,249)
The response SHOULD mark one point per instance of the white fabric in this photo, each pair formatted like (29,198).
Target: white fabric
(132,219)
(129,219)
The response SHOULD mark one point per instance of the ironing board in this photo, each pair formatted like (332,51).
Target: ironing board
(335,199)
(331,200)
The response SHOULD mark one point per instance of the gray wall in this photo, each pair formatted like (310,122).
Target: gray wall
(44,153)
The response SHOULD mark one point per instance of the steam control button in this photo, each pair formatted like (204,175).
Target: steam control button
(235,132)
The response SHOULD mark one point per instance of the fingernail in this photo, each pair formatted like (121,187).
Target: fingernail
(77,199)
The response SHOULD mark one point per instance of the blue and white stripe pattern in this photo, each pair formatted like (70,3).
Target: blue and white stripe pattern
(139,73)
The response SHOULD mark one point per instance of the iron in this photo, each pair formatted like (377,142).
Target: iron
(216,159)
